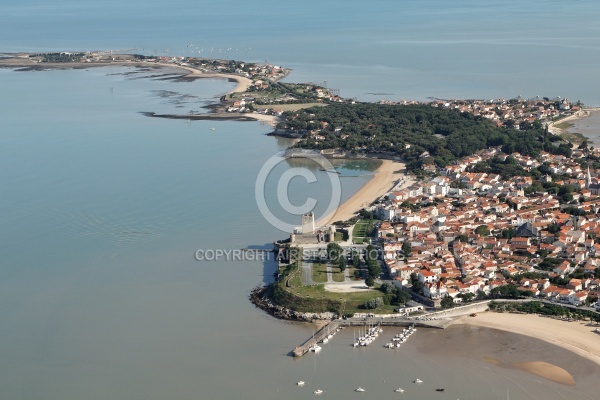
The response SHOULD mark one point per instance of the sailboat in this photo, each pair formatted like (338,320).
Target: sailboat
(315,348)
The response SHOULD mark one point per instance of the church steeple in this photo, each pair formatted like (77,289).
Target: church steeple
(588,178)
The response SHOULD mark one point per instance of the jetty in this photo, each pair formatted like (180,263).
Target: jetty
(301,350)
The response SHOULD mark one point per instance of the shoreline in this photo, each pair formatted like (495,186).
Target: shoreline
(243,83)
(552,128)
(217,113)
(386,176)
(575,337)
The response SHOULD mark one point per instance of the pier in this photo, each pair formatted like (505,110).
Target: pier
(322,333)
(441,323)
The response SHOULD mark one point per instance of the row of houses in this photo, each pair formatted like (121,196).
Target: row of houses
(472,241)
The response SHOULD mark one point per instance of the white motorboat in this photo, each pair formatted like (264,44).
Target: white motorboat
(300,383)
(418,381)
(359,389)
(399,390)
(318,391)
(315,348)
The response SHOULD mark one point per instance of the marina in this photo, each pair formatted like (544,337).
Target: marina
(372,329)
(400,338)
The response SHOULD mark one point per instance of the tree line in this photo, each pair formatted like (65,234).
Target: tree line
(414,132)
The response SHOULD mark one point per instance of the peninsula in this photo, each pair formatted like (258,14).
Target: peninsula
(476,204)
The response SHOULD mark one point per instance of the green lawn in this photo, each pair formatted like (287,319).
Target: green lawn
(315,296)
(339,236)
(337,275)
(362,231)
(319,273)
(318,291)
(295,280)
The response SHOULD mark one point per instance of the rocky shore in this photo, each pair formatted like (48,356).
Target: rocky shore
(260,299)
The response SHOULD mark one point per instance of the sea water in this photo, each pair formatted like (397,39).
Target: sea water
(102,209)
(371,50)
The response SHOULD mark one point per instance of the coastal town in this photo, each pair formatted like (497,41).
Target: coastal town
(294,200)
(473,233)
(433,239)
(487,222)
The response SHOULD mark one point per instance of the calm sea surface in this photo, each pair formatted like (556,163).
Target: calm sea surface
(102,209)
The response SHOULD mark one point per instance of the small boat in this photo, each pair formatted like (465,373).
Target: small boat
(399,390)
(359,389)
(440,390)
(318,391)
(315,348)
(418,381)
(300,383)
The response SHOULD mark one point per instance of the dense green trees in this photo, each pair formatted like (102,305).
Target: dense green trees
(482,230)
(412,130)
(447,302)
(406,248)
(393,294)
(372,262)
(417,286)
(537,307)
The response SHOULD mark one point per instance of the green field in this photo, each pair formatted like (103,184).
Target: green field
(337,275)
(316,299)
(362,231)
(319,273)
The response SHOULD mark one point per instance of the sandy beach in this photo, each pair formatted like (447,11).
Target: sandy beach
(552,128)
(243,83)
(515,355)
(386,176)
(573,336)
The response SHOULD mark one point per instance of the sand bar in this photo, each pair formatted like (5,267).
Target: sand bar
(578,337)
(547,370)
(243,83)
